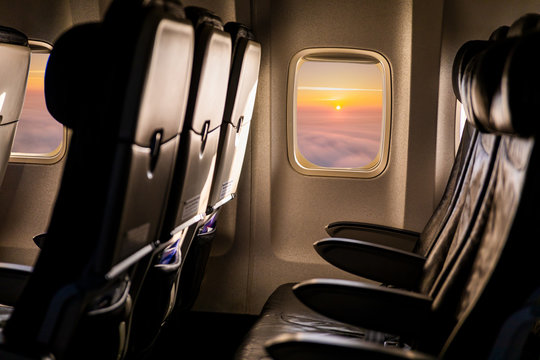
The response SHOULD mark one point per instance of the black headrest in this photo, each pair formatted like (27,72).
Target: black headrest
(171,7)
(12,36)
(467,51)
(238,31)
(516,106)
(200,16)
(500,33)
(486,72)
(69,79)
(464,55)
(70,92)
(525,25)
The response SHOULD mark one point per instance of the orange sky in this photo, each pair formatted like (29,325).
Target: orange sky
(37,71)
(329,85)
(339,113)
(37,131)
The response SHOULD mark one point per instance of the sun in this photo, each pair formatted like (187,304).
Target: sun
(338,107)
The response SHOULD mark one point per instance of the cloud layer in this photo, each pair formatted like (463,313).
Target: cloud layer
(339,139)
(37,131)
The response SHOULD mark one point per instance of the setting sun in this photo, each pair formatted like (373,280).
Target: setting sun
(338,107)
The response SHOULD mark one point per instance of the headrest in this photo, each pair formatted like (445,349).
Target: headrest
(172,7)
(496,80)
(500,33)
(516,106)
(238,31)
(12,36)
(200,16)
(127,10)
(486,72)
(68,90)
(526,24)
(105,54)
(467,51)
(464,55)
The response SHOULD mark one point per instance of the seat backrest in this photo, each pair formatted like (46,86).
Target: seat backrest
(235,127)
(196,161)
(458,178)
(477,70)
(194,172)
(14,64)
(451,203)
(239,106)
(126,111)
(501,273)
(498,257)
(479,82)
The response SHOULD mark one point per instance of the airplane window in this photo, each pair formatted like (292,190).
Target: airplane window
(340,115)
(39,137)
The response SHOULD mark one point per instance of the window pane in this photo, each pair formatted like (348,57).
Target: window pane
(340,113)
(37,131)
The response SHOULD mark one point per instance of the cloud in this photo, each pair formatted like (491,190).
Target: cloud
(37,130)
(340,140)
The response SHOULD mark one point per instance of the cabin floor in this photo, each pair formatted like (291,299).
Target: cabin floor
(202,335)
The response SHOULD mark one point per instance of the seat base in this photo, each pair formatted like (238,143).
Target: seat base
(283,313)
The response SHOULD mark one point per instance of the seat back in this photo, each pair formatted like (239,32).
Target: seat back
(126,112)
(194,172)
(238,113)
(452,202)
(196,162)
(458,178)
(505,261)
(235,127)
(477,67)
(14,64)
(497,257)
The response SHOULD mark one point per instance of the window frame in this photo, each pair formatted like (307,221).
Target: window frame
(38,46)
(296,159)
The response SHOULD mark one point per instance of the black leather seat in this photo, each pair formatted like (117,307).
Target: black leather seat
(458,312)
(354,246)
(125,111)
(465,192)
(14,62)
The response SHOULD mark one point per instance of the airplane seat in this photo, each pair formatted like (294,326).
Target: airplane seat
(469,177)
(235,127)
(442,304)
(192,179)
(409,240)
(14,64)
(121,86)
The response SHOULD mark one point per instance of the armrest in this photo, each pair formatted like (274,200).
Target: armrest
(377,262)
(13,278)
(390,310)
(324,347)
(378,234)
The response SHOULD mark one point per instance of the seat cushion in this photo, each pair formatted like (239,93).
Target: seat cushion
(283,313)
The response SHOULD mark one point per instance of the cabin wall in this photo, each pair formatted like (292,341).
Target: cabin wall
(279,212)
